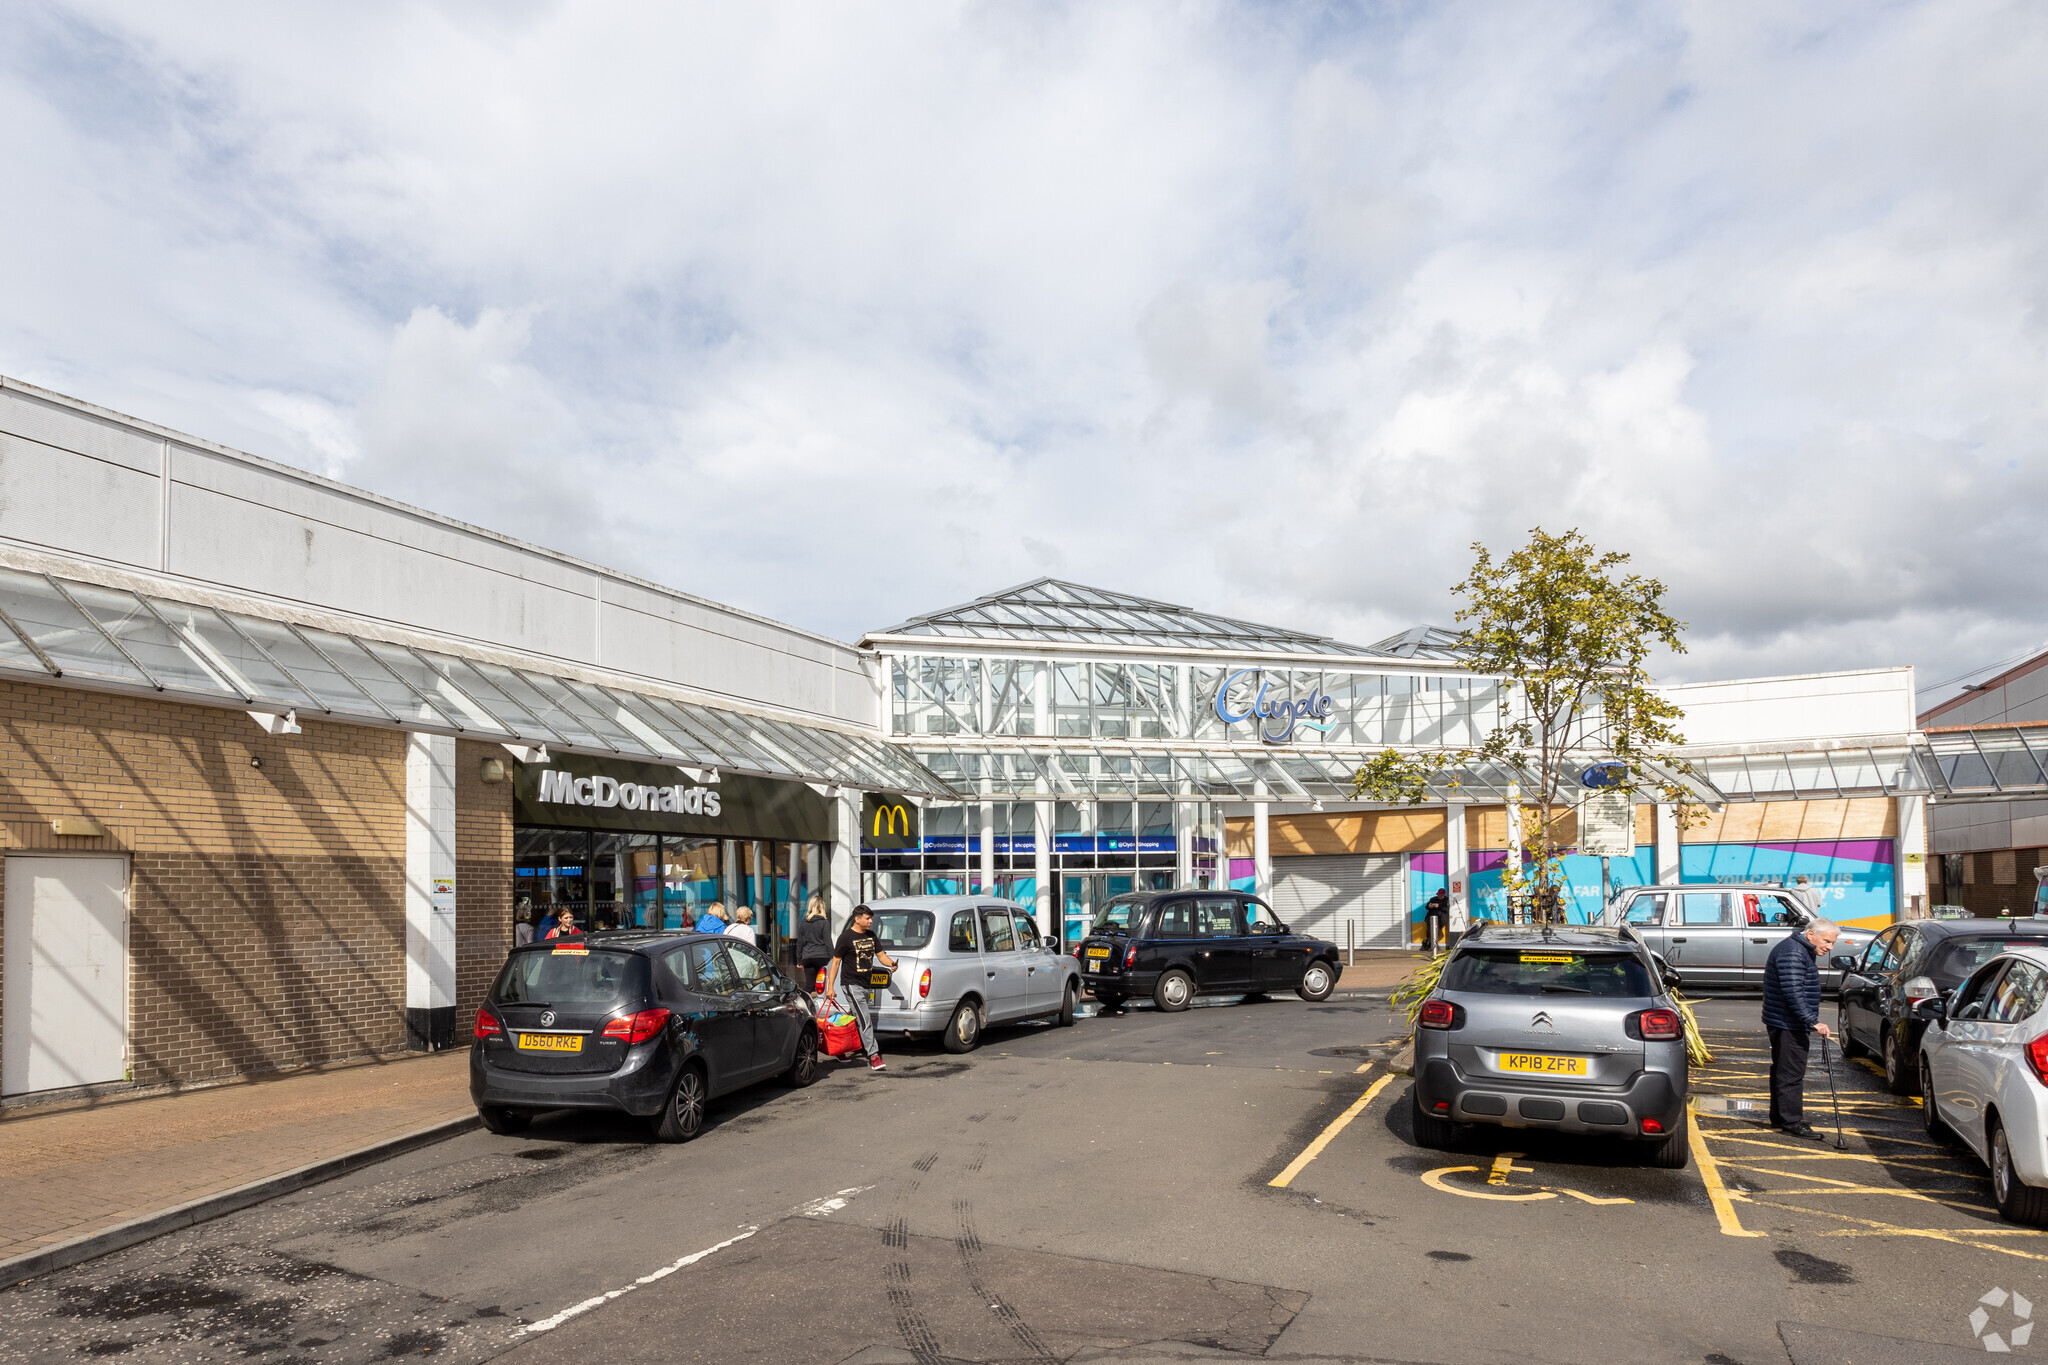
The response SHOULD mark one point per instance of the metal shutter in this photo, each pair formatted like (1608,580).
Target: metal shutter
(1317,895)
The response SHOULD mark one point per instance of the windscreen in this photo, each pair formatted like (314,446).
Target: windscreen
(1959,957)
(1547,971)
(1116,917)
(570,976)
(908,930)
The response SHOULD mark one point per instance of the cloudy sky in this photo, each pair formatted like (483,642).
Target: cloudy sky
(841,312)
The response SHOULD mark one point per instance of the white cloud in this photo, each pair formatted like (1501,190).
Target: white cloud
(844,313)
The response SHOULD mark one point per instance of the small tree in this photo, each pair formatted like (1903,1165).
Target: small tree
(1570,639)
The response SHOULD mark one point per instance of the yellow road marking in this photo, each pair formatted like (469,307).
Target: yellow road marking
(1717,1193)
(1322,1139)
(1435,1180)
(1880,1229)
(1503,1165)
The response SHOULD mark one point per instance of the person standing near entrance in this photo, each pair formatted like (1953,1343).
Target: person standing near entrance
(742,926)
(1436,913)
(1792,1016)
(522,925)
(846,981)
(814,940)
(713,920)
(565,925)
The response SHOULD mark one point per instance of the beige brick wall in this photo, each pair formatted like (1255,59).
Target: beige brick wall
(267,921)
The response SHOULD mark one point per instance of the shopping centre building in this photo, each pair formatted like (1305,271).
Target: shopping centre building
(283,759)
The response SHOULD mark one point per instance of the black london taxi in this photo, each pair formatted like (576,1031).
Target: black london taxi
(644,1022)
(1176,945)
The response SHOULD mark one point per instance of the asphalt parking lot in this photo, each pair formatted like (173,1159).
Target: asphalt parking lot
(1105,1192)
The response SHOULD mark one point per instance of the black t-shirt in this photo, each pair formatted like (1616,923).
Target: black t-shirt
(856,953)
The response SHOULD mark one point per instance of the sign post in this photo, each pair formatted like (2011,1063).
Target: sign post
(1607,820)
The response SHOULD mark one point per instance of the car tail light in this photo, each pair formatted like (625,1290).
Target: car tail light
(1921,988)
(2037,1058)
(1130,957)
(1442,1106)
(1438,1014)
(637,1028)
(1653,1125)
(487,1025)
(1660,1026)
(924,983)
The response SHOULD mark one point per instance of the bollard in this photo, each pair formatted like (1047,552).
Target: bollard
(1350,943)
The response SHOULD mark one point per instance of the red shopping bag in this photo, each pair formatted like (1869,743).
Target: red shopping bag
(838,1039)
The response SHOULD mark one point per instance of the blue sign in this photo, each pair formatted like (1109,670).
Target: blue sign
(1608,774)
(1302,711)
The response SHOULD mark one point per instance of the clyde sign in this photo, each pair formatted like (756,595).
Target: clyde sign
(1276,719)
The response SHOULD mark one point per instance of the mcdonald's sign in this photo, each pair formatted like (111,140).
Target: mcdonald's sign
(888,823)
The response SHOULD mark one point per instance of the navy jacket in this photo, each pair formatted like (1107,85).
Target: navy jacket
(1792,985)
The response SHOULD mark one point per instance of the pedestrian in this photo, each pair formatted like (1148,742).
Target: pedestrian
(846,980)
(522,925)
(565,925)
(1436,914)
(714,919)
(814,939)
(546,926)
(742,926)
(1792,1015)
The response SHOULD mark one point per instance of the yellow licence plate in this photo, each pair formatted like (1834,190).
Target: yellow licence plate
(1536,1061)
(551,1042)
(1098,952)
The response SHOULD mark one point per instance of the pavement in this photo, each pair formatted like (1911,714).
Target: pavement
(81,1170)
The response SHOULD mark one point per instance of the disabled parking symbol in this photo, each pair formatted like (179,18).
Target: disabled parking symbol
(1498,1188)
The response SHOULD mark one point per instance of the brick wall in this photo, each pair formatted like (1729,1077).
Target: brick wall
(483,877)
(1994,882)
(267,922)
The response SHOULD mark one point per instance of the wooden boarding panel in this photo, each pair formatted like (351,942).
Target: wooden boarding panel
(1784,822)
(1307,835)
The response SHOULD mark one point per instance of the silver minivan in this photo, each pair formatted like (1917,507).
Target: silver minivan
(1720,934)
(965,962)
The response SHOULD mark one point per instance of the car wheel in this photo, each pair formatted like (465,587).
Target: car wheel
(963,1030)
(803,1068)
(503,1121)
(1175,991)
(682,1118)
(1896,1078)
(1430,1131)
(1930,1117)
(2018,1201)
(1674,1153)
(1850,1047)
(1316,983)
(1067,1004)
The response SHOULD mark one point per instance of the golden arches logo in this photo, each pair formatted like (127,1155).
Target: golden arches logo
(891,814)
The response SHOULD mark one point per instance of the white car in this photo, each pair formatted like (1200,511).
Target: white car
(1984,1075)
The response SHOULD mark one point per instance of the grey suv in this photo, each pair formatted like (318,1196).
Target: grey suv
(1553,1026)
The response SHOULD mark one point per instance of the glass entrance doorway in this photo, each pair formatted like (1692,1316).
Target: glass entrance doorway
(1082,894)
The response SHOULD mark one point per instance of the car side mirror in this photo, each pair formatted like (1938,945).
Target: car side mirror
(1052,943)
(1843,962)
(1933,1009)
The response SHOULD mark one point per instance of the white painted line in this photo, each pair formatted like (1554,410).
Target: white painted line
(815,1209)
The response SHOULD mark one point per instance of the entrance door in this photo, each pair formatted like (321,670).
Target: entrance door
(1082,896)
(66,986)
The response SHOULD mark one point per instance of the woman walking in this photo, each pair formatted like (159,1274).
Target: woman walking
(742,926)
(814,941)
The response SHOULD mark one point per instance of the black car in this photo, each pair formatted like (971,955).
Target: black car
(1904,965)
(648,1023)
(1175,945)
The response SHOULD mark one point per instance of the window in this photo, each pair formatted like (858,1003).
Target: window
(1880,949)
(710,971)
(960,938)
(1971,999)
(1538,970)
(1176,920)
(1216,917)
(564,977)
(1959,957)
(906,929)
(1116,916)
(1260,919)
(750,968)
(2019,995)
(1027,929)
(999,936)
(1700,909)
(1778,910)
(1645,910)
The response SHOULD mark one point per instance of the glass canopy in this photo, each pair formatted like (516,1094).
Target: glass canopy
(57,628)
(1051,611)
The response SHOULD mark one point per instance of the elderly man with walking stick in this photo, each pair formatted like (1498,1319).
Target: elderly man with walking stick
(1792,1015)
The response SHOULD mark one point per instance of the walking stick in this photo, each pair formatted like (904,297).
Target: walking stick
(1836,1100)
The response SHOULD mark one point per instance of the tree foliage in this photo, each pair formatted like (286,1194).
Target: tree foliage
(1570,635)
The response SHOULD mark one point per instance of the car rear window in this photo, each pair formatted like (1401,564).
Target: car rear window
(570,976)
(1117,917)
(1959,957)
(905,929)
(1547,971)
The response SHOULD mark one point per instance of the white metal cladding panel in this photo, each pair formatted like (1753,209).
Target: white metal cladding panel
(78,432)
(1755,710)
(77,503)
(1318,895)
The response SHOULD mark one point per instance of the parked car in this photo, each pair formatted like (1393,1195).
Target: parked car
(1719,935)
(655,1024)
(1984,1074)
(964,963)
(1883,985)
(1567,1027)
(1176,945)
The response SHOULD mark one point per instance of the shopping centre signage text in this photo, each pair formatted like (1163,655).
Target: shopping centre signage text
(595,793)
(1276,719)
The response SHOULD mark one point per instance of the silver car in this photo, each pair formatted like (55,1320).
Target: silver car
(965,962)
(1719,935)
(1568,1027)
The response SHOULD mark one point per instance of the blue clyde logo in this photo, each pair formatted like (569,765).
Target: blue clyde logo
(1302,711)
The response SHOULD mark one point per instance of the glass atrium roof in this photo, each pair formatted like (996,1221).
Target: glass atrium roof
(1423,642)
(57,628)
(1050,611)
